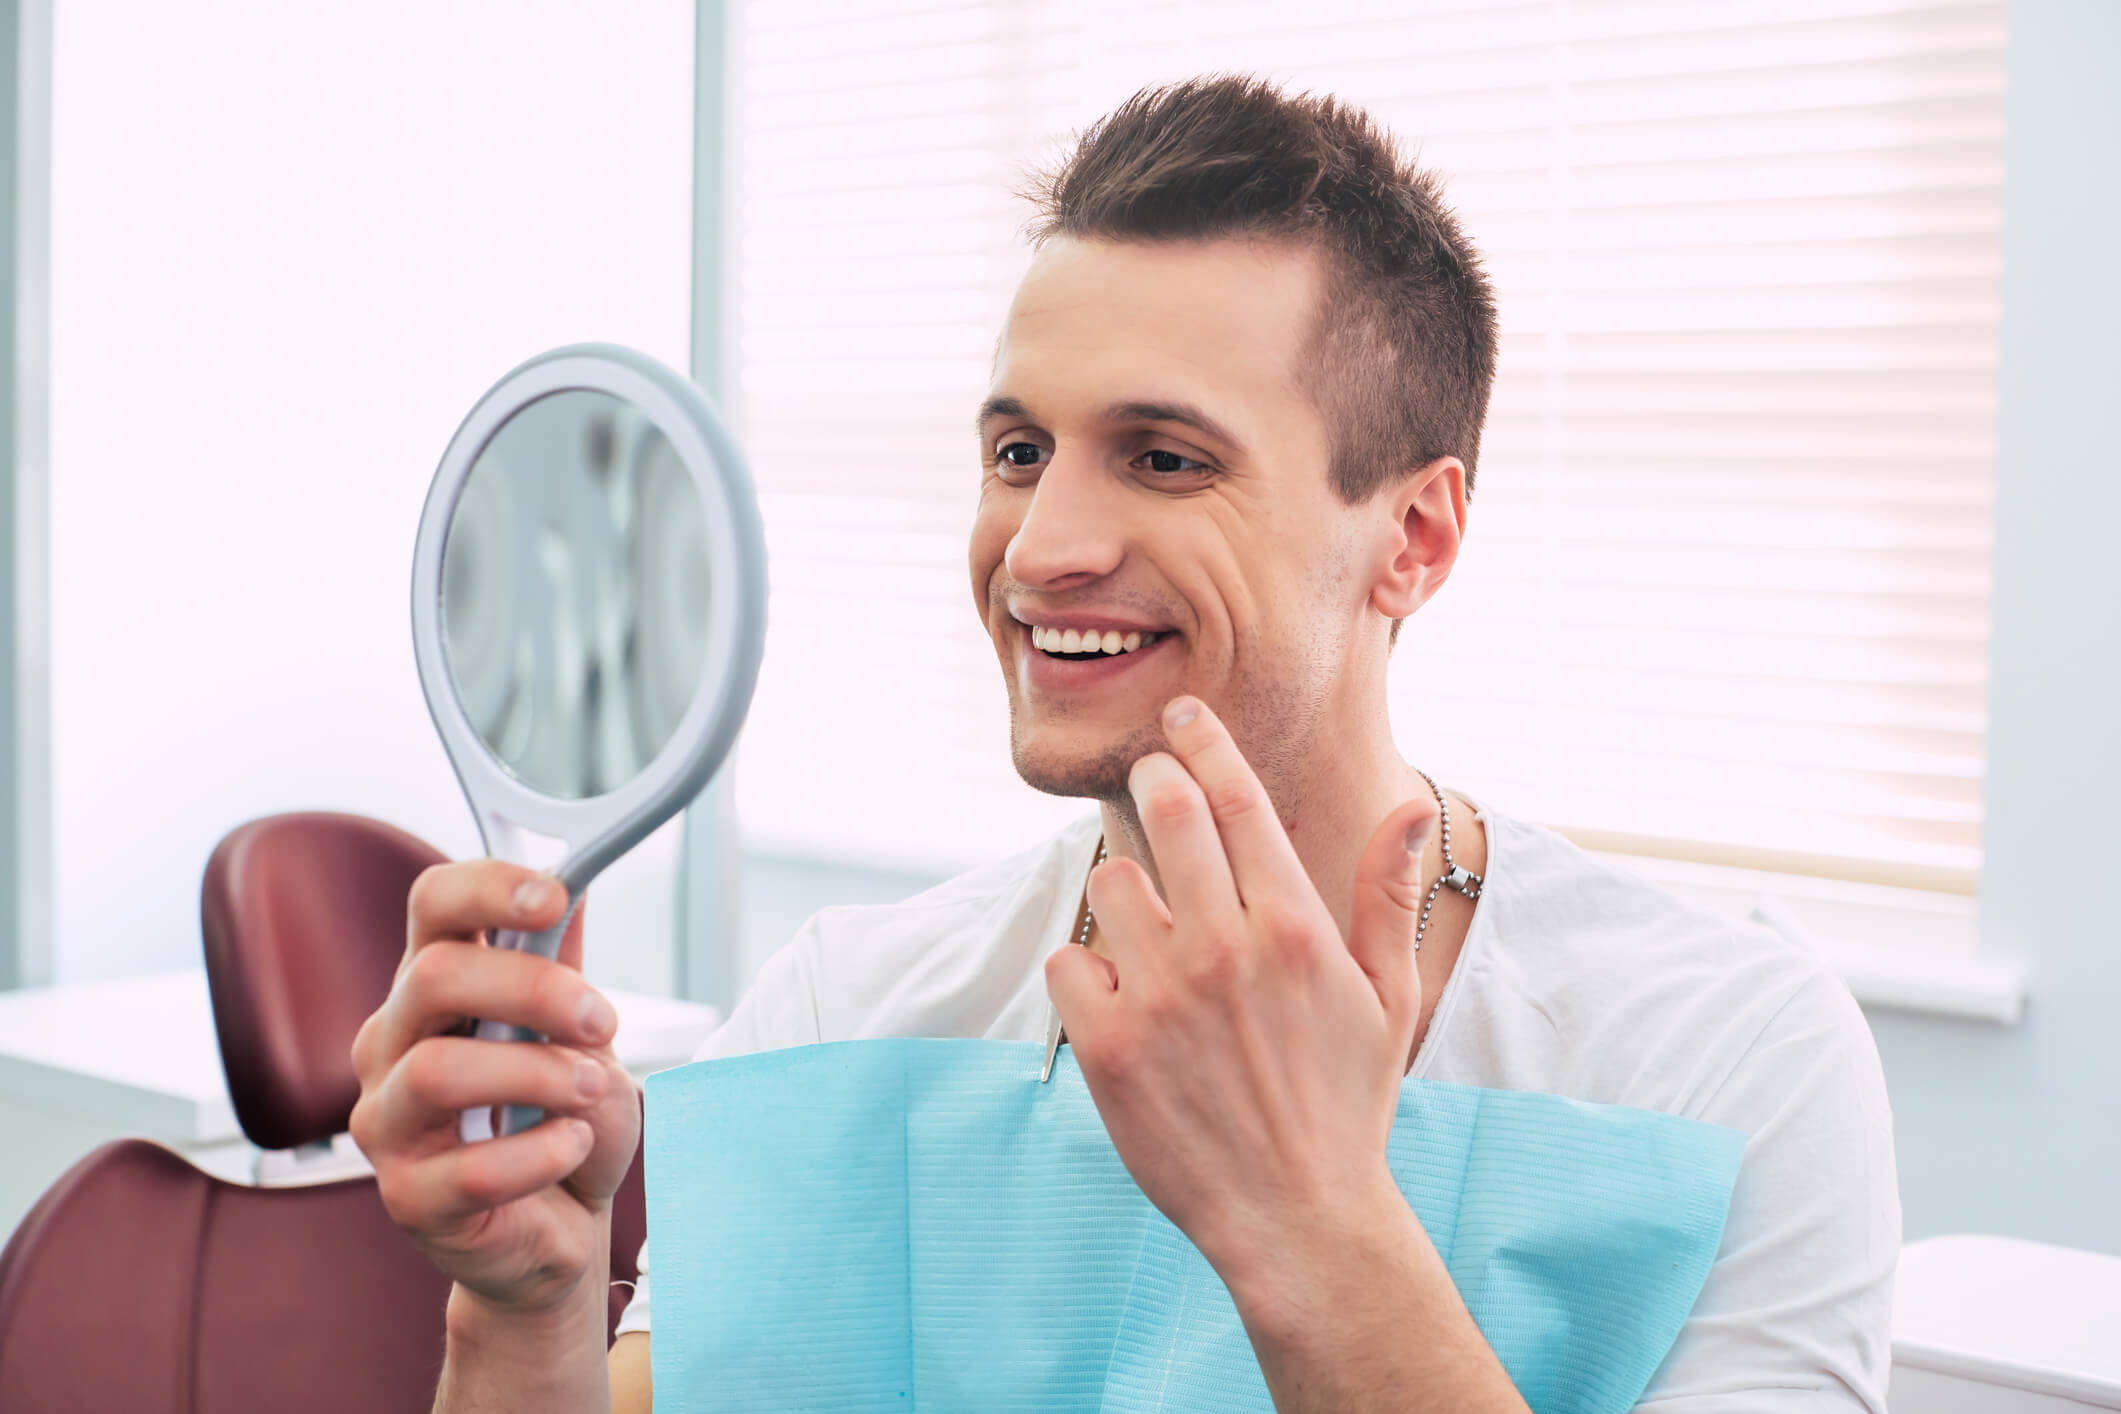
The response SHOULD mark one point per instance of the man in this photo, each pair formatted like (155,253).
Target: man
(1228,445)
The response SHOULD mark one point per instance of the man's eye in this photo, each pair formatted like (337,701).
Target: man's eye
(1172,462)
(1021,453)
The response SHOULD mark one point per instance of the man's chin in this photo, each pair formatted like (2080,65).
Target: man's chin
(1085,772)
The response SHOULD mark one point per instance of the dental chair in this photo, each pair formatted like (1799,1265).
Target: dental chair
(140,1283)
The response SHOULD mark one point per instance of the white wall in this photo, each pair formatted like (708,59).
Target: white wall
(291,245)
(2018,1130)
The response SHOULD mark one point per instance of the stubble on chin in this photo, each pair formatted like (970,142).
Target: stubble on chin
(1276,756)
(1100,775)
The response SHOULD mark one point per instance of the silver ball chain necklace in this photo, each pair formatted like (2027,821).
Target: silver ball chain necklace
(1455,877)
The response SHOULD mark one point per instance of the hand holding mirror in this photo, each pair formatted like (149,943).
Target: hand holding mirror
(588,613)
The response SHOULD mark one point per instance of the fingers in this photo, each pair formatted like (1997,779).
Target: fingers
(1388,896)
(1262,861)
(444,1075)
(1184,843)
(446,982)
(461,900)
(1130,917)
(1081,985)
(465,1181)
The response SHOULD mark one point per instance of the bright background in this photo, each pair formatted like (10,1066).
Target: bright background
(290,246)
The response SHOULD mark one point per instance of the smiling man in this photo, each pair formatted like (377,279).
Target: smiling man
(1228,447)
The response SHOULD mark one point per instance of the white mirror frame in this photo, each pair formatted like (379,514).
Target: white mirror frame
(596,830)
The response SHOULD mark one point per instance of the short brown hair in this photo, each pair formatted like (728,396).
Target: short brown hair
(1404,346)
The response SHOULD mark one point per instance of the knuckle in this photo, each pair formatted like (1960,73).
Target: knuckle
(391,1190)
(619,1086)
(1404,892)
(479,1183)
(1159,1007)
(364,1043)
(1284,927)
(1171,804)
(1293,949)
(1128,1059)
(558,1075)
(429,973)
(361,1124)
(1232,799)
(554,991)
(1216,964)
(1115,1059)
(425,1071)
(428,885)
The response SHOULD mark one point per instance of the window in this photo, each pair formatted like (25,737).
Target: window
(291,245)
(1724,595)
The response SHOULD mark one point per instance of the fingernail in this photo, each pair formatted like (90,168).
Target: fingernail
(1181,711)
(588,1079)
(583,1136)
(596,1016)
(1417,836)
(532,895)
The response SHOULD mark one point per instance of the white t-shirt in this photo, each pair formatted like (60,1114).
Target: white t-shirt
(1576,979)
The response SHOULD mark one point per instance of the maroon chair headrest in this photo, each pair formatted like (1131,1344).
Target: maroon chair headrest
(303,917)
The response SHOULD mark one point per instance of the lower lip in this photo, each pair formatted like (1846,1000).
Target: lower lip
(1048,673)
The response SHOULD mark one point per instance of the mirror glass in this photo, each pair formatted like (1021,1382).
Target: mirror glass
(574,593)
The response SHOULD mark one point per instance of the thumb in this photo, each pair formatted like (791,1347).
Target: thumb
(1388,896)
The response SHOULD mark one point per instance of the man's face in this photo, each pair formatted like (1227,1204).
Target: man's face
(1154,468)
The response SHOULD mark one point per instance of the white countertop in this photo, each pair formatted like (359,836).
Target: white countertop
(2024,1315)
(140,1054)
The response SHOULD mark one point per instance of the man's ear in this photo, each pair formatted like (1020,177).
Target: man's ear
(1423,521)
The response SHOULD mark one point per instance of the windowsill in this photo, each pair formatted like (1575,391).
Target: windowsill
(1970,988)
(1904,949)
(139,1054)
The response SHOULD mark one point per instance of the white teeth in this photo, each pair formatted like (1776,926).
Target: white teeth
(1111,640)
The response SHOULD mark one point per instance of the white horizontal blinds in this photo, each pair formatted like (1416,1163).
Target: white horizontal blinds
(1724,594)
(875,149)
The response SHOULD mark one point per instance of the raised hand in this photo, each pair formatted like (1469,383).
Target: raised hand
(522,1221)
(1245,1057)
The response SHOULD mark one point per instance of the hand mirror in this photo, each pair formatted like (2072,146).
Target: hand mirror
(588,612)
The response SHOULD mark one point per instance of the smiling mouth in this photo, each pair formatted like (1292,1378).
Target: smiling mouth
(1078,646)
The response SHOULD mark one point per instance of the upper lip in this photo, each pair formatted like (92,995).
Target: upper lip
(1082,622)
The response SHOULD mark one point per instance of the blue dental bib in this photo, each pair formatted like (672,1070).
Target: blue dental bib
(918,1225)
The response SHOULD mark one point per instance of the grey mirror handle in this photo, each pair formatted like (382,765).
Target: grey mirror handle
(477,1123)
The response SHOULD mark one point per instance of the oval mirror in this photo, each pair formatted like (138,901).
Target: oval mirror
(589,588)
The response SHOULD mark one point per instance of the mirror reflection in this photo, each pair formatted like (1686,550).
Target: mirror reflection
(574,593)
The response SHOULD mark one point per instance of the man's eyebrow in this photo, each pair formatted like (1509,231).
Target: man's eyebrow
(1184,414)
(1000,407)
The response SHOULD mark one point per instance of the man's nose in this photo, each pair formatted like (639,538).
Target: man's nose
(1071,530)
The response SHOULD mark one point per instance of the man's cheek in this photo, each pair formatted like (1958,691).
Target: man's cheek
(984,558)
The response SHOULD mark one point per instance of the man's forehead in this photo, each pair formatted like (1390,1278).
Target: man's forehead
(1258,282)
(1213,327)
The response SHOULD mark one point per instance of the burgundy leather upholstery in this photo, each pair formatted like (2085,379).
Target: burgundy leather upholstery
(139,1283)
(303,917)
